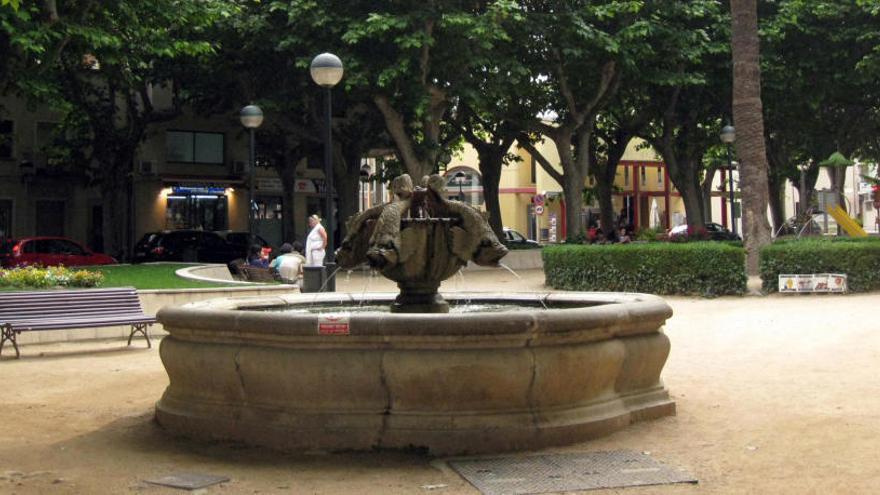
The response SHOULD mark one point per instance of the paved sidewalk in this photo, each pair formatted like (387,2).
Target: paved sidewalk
(775,394)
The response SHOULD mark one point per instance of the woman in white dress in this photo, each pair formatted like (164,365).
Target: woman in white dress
(316,242)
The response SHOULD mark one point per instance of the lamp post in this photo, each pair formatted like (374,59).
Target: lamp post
(251,117)
(459,178)
(728,136)
(326,71)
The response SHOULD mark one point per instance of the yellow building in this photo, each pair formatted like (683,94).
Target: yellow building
(532,202)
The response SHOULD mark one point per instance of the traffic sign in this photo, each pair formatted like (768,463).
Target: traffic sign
(539,200)
(539,210)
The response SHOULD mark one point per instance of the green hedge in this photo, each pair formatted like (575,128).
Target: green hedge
(859,259)
(693,268)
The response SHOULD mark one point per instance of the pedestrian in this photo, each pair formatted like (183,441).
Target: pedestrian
(288,265)
(255,257)
(316,242)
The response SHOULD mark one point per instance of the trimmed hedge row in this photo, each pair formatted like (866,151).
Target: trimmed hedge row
(693,268)
(859,259)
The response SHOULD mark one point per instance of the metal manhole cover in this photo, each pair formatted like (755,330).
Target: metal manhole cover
(188,481)
(566,472)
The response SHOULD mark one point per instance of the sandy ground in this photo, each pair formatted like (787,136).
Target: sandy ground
(774,394)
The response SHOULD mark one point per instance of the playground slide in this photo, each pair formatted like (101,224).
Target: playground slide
(847,223)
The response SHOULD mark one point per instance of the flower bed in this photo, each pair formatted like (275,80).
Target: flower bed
(43,278)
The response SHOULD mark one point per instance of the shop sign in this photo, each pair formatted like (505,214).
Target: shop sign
(198,189)
(310,186)
(268,184)
(552,236)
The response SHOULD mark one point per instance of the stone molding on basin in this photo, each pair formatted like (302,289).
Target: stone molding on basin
(451,384)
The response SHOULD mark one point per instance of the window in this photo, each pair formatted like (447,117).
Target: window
(643,176)
(194,147)
(533,169)
(659,175)
(61,246)
(45,135)
(625,175)
(6,138)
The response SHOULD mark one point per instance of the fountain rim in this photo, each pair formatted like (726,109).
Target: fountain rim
(242,318)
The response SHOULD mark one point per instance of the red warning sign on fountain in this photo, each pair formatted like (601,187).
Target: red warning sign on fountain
(333,324)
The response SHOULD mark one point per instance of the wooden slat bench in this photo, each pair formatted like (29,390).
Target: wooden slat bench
(67,309)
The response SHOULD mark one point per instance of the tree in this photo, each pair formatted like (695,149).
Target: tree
(749,122)
(412,57)
(820,92)
(579,51)
(97,64)
(685,98)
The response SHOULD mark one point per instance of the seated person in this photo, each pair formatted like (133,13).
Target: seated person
(255,257)
(624,236)
(289,263)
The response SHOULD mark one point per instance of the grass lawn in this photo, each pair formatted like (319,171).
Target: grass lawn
(150,276)
(141,277)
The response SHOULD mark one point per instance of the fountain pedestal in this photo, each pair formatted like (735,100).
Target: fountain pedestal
(419,298)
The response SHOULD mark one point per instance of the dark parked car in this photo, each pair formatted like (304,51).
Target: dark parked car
(49,251)
(513,237)
(715,231)
(184,245)
(242,240)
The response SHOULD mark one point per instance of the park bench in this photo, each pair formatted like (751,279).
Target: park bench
(257,274)
(68,309)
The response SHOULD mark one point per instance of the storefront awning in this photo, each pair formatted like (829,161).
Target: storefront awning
(202,181)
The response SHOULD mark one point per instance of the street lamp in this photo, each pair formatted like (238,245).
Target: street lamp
(251,117)
(326,71)
(728,136)
(459,178)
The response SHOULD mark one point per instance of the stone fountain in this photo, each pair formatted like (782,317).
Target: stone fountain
(468,373)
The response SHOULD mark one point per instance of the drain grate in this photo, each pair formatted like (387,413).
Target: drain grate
(188,481)
(549,473)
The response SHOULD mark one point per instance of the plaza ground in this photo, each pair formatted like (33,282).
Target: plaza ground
(775,394)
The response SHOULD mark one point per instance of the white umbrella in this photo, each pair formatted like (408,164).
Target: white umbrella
(654,217)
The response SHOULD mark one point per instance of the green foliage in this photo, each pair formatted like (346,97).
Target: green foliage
(699,268)
(56,276)
(651,234)
(859,259)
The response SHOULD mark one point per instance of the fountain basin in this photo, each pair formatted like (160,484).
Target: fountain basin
(470,383)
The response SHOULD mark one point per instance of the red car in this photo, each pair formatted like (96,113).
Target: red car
(49,251)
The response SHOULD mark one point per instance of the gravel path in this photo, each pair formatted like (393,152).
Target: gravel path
(774,394)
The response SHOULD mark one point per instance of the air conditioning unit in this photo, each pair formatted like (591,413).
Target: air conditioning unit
(147,168)
(239,168)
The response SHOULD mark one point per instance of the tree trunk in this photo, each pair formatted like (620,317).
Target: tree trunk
(287,174)
(347,189)
(706,192)
(490,170)
(693,202)
(776,188)
(114,206)
(683,174)
(605,195)
(573,191)
(749,122)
